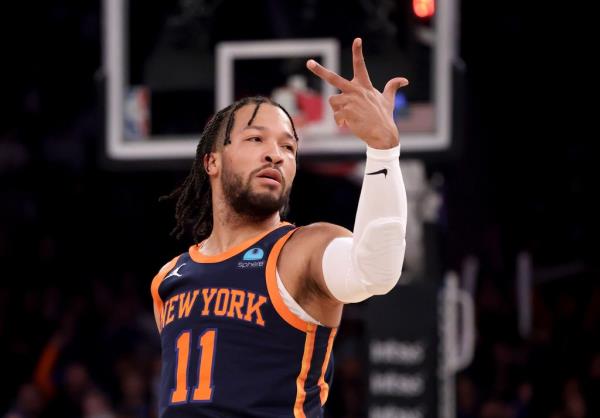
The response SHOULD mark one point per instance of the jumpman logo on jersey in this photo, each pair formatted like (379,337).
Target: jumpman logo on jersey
(176,272)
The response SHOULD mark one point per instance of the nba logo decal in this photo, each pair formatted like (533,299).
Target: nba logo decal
(253,254)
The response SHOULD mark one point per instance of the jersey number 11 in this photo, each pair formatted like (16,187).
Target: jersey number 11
(203,389)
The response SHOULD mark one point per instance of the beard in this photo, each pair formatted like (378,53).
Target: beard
(249,203)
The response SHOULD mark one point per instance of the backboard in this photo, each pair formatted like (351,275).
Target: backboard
(170,65)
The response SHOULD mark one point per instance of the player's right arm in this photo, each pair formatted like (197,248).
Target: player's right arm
(156,300)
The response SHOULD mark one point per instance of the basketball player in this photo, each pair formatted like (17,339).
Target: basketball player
(247,317)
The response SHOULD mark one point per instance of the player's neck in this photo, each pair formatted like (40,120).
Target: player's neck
(231,229)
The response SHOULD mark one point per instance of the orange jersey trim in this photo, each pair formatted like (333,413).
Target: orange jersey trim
(309,346)
(198,257)
(158,303)
(322,383)
(278,303)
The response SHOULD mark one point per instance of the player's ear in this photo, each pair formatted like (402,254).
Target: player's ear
(211,163)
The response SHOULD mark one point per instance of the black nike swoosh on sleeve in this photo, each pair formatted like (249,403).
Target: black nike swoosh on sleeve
(382,171)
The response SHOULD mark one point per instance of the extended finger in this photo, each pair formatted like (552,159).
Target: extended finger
(392,86)
(329,76)
(358,62)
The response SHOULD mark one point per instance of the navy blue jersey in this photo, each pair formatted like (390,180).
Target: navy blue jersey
(230,345)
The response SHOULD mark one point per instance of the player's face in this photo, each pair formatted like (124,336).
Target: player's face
(260,163)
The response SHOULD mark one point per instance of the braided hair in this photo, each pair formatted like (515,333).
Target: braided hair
(194,196)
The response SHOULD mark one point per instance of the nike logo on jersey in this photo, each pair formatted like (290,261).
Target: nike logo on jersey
(382,171)
(176,272)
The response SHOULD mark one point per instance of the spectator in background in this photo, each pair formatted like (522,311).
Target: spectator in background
(96,405)
(29,403)
(134,396)
(75,385)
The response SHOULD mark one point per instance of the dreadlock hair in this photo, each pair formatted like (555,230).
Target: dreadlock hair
(194,196)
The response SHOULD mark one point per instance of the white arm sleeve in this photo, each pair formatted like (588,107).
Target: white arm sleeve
(370,262)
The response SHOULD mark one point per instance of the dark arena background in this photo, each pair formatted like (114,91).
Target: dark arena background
(497,314)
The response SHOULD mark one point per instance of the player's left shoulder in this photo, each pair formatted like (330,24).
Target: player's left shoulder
(309,241)
(318,233)
(299,263)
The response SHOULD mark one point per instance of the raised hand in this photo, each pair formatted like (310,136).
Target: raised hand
(364,109)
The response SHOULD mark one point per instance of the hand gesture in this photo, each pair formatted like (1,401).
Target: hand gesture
(364,109)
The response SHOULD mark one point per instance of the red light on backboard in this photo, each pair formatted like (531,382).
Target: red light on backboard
(424,8)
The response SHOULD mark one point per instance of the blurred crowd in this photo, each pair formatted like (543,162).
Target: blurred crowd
(553,372)
(79,355)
